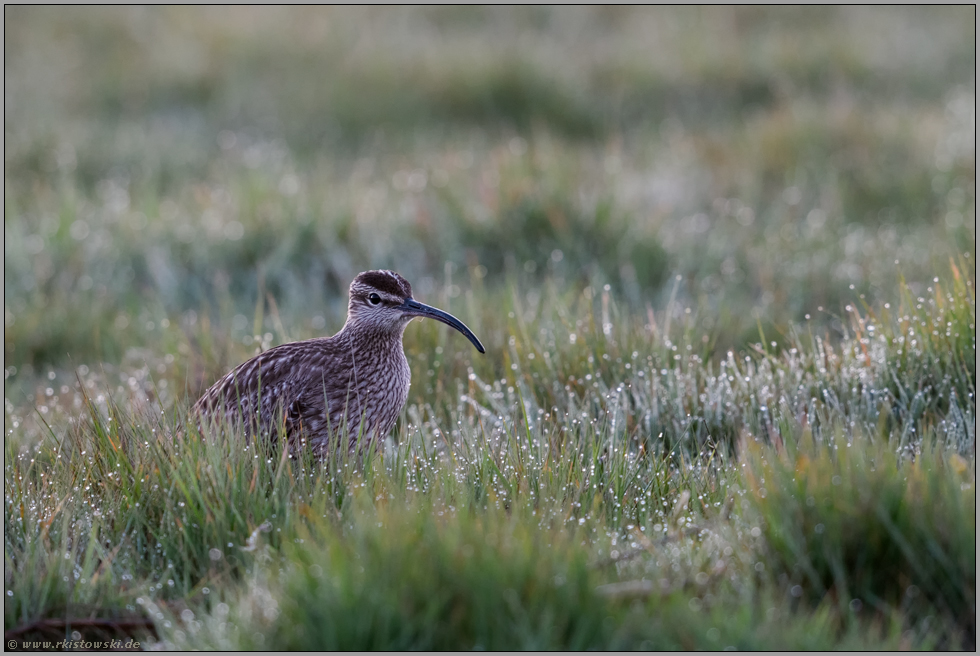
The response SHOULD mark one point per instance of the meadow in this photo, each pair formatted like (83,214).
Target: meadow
(722,260)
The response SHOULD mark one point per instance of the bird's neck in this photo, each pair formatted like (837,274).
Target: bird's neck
(356,333)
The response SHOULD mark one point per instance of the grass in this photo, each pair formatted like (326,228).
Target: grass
(617,478)
(723,262)
(852,508)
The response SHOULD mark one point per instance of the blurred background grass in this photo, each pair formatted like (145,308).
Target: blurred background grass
(161,161)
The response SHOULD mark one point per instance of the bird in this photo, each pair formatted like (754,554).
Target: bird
(324,391)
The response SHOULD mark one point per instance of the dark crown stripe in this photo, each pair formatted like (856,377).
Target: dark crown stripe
(386,281)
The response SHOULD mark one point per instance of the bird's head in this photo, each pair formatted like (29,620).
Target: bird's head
(382,300)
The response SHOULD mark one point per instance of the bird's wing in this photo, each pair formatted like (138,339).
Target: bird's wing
(284,384)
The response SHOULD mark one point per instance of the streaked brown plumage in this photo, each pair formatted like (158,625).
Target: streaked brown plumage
(350,386)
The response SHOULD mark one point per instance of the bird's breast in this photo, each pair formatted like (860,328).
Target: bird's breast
(382,386)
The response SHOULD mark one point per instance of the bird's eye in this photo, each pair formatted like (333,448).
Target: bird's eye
(374,299)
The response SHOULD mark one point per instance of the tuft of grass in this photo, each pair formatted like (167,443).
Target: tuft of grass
(848,519)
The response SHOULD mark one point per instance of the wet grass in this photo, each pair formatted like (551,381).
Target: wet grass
(646,488)
(723,262)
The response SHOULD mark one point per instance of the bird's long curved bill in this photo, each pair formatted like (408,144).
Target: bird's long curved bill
(413,307)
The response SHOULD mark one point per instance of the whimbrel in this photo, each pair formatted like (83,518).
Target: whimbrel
(350,386)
